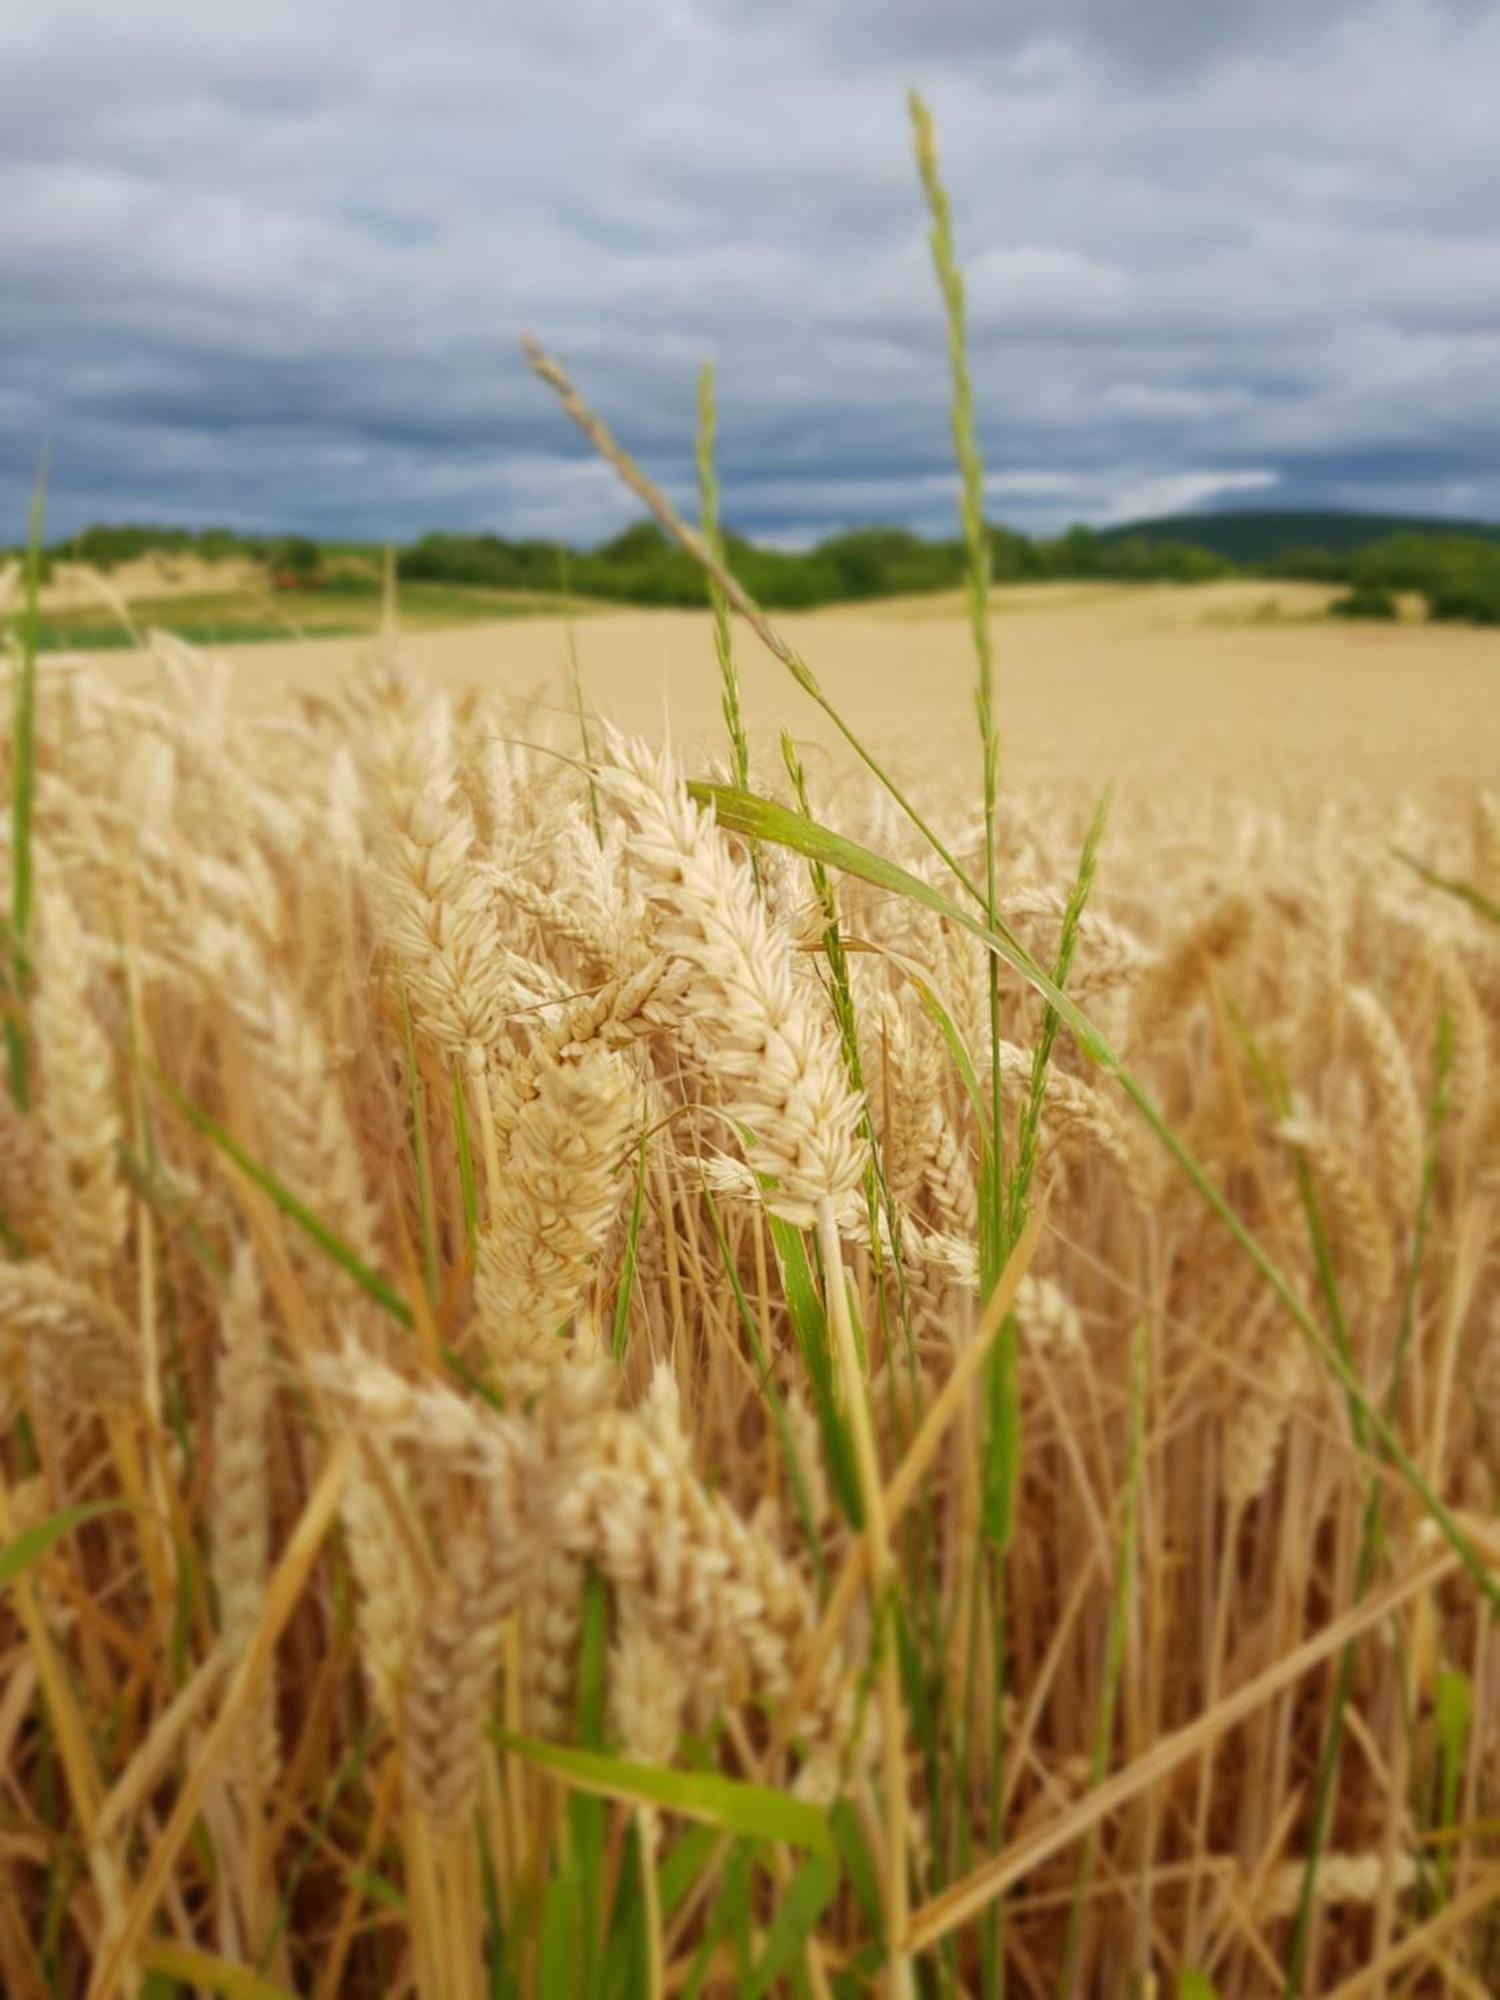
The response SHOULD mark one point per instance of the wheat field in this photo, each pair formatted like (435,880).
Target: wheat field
(643,1358)
(1227,690)
(499,1270)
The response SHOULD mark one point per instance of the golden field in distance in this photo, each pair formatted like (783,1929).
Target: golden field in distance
(545,1446)
(1245,684)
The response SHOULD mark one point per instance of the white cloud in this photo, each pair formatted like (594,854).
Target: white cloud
(1179,492)
(272,269)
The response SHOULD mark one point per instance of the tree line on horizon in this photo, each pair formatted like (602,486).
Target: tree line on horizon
(1374,557)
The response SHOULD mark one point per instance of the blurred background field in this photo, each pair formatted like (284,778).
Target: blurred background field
(1245,682)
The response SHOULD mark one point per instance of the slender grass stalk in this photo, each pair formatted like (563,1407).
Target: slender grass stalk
(879,1201)
(1452,885)
(621,1324)
(575,685)
(964,1899)
(467,1194)
(775,1407)
(1114,1646)
(651,1915)
(755,1811)
(112,1969)
(976,577)
(878,1197)
(1002,1464)
(882,1579)
(1006,1395)
(713,541)
(1453,1715)
(349,1769)
(1031,1113)
(657,504)
(810,1329)
(841,994)
(585,1814)
(1370,1525)
(421,1154)
(294,1209)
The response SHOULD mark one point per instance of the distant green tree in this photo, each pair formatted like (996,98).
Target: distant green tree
(1076,553)
(296,558)
(1012,556)
(1458,575)
(1306,565)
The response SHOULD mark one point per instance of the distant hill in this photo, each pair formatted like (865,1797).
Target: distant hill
(1254,535)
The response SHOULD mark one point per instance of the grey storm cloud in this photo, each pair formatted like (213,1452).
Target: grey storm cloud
(266,266)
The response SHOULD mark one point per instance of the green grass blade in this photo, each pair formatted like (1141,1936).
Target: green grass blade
(192,1970)
(811,1330)
(460,1370)
(289,1205)
(1000,1471)
(775,1408)
(1114,1645)
(586,1815)
(683,1863)
(1452,1715)
(731,1912)
(29,1547)
(758,818)
(708,527)
(561,1932)
(739,1913)
(153,1185)
(1000,1440)
(465,1160)
(970,465)
(878,1196)
(1451,885)
(575,684)
(626,1286)
(376,1888)
(798,1908)
(420,1153)
(753,1811)
(349,1770)
(855,1861)
(1031,1115)
(962,1062)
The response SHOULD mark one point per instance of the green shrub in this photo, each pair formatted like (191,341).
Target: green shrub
(1366,600)
(1457,574)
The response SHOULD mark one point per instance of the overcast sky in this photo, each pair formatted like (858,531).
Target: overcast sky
(265,264)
